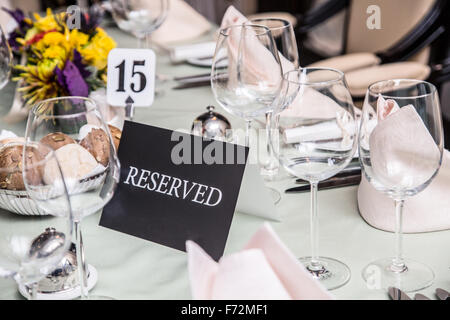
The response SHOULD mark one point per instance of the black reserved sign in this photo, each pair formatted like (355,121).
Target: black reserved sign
(175,187)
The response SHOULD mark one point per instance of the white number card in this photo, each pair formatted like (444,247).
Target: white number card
(131,77)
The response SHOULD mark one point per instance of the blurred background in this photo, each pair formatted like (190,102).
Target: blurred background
(412,40)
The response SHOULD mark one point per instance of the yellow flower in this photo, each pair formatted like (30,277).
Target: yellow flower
(78,39)
(96,51)
(49,22)
(38,81)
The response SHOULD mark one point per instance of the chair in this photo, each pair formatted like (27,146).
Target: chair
(400,49)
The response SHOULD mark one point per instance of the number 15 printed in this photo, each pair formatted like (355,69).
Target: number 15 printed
(131,73)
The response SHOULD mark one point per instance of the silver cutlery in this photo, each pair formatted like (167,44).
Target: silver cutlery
(442,294)
(189,85)
(331,183)
(192,78)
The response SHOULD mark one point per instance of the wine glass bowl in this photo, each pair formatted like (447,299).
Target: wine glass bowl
(314,148)
(285,42)
(246,73)
(139,17)
(6,59)
(401,149)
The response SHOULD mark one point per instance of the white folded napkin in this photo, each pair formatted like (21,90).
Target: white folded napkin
(265,269)
(183,23)
(197,50)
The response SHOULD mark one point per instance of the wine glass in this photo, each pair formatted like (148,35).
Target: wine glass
(315,149)
(284,36)
(139,17)
(246,72)
(400,148)
(5,59)
(34,245)
(75,129)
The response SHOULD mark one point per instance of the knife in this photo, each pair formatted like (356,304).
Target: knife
(397,294)
(195,84)
(192,77)
(344,173)
(420,296)
(330,183)
(442,294)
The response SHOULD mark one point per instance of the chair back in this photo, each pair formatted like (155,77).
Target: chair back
(397,18)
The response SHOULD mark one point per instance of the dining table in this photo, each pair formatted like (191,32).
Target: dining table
(132,268)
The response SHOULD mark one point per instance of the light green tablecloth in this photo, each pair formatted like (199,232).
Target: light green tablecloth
(131,268)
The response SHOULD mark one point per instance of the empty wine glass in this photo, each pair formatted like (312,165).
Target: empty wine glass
(314,138)
(33,246)
(286,43)
(5,59)
(75,129)
(246,72)
(139,17)
(400,149)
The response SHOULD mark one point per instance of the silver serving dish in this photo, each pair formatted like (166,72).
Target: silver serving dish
(21,203)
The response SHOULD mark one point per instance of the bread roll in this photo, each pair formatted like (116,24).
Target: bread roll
(75,162)
(56,140)
(11,167)
(116,134)
(97,143)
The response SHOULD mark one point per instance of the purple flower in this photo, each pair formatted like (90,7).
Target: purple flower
(17,14)
(78,61)
(71,80)
(75,84)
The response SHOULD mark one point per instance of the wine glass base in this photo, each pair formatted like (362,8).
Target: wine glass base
(332,274)
(67,294)
(95,297)
(275,195)
(380,275)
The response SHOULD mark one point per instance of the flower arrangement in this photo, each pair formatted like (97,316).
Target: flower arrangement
(59,61)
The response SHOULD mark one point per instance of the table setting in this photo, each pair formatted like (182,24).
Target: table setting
(154,155)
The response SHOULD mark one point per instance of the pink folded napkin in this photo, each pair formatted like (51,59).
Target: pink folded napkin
(182,24)
(265,269)
(404,154)
(425,212)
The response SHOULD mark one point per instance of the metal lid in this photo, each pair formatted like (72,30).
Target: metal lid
(212,125)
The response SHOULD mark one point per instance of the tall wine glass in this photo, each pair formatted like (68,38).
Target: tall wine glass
(284,36)
(246,72)
(315,149)
(74,127)
(400,147)
(32,246)
(5,59)
(139,17)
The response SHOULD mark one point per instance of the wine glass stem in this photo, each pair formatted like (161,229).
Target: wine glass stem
(270,152)
(81,262)
(314,229)
(248,125)
(398,264)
